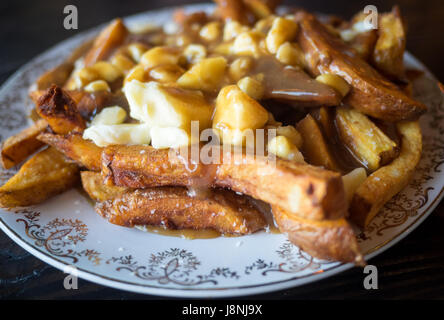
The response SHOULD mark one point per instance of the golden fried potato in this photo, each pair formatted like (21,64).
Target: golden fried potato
(388,55)
(93,184)
(60,74)
(325,118)
(17,148)
(110,38)
(352,180)
(60,111)
(186,20)
(371,93)
(261,8)
(364,44)
(363,41)
(387,181)
(45,175)
(89,104)
(233,10)
(314,146)
(367,142)
(327,239)
(308,191)
(174,208)
(82,151)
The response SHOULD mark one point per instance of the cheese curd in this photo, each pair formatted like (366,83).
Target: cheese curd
(161,105)
(108,134)
(110,115)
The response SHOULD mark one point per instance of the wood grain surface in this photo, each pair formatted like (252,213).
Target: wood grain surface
(413,269)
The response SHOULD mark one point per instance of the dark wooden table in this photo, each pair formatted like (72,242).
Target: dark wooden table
(414,268)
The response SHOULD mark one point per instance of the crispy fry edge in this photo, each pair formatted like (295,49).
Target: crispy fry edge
(383,184)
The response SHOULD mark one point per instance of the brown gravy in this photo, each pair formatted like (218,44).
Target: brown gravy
(292,83)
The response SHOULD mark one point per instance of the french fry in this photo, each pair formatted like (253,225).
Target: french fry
(172,207)
(110,38)
(367,142)
(327,239)
(92,183)
(261,8)
(314,147)
(60,74)
(186,20)
(363,42)
(324,117)
(60,111)
(308,191)
(352,181)
(233,9)
(387,181)
(82,151)
(142,167)
(371,93)
(43,176)
(388,54)
(87,103)
(221,210)
(17,148)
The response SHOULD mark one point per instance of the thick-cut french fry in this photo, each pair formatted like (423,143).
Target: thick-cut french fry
(362,41)
(388,55)
(314,147)
(36,94)
(92,183)
(61,73)
(325,118)
(172,207)
(328,239)
(233,10)
(387,181)
(110,38)
(367,142)
(46,174)
(359,134)
(186,20)
(262,8)
(17,148)
(352,180)
(308,191)
(84,152)
(371,93)
(221,210)
(87,103)
(60,111)
(364,44)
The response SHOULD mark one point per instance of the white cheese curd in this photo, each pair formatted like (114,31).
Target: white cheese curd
(171,137)
(104,135)
(110,115)
(165,106)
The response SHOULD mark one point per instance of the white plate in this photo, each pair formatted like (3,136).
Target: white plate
(66,231)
